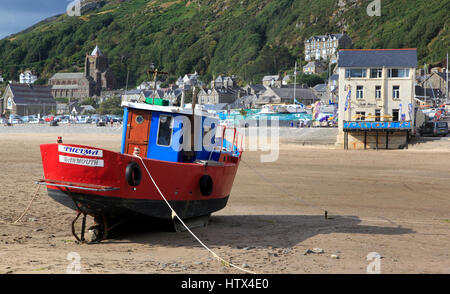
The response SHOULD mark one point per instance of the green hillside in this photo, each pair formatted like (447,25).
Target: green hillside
(249,38)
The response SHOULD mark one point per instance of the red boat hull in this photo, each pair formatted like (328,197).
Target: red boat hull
(81,167)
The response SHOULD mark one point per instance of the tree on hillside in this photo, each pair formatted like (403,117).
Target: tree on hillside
(111,106)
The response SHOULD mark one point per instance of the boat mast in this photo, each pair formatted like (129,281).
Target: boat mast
(446,94)
(425,83)
(194,103)
(295,80)
(155,72)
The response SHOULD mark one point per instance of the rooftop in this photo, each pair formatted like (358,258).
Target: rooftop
(273,77)
(24,94)
(377,57)
(97,52)
(288,93)
(67,76)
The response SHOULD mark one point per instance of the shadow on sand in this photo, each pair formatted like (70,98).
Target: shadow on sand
(280,231)
(424,139)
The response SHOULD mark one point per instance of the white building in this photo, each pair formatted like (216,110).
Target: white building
(149,85)
(376,97)
(188,81)
(1,78)
(27,77)
(325,47)
(272,81)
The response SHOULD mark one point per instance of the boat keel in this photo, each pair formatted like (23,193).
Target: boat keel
(192,223)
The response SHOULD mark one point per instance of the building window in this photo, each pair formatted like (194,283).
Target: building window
(359,92)
(377,115)
(355,73)
(396,92)
(360,115)
(398,73)
(9,103)
(376,73)
(377,92)
(394,114)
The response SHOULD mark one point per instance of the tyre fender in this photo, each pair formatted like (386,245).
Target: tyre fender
(133,174)
(206,185)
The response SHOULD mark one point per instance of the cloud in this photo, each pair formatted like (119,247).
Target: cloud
(17,15)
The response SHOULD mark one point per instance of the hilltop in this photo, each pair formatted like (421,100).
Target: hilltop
(249,38)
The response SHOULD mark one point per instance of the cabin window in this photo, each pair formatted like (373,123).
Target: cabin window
(139,119)
(165,130)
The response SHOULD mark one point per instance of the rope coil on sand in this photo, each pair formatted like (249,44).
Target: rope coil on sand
(174,214)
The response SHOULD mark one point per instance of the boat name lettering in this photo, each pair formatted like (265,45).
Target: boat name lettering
(82,161)
(80,151)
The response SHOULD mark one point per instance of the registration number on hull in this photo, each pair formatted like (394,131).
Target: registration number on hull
(82,161)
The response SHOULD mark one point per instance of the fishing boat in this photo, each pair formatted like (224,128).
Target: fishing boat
(164,168)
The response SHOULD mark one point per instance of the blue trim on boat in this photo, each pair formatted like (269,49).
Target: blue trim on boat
(125,125)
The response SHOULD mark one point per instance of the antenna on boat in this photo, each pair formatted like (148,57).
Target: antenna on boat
(155,73)
(182,100)
(446,94)
(295,81)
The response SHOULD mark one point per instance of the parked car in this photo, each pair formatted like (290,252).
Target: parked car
(116,118)
(15,119)
(83,119)
(61,118)
(48,118)
(434,128)
(26,118)
(95,118)
(35,120)
(102,121)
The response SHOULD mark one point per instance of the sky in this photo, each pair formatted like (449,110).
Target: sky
(17,15)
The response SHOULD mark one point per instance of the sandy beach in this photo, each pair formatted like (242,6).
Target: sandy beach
(395,203)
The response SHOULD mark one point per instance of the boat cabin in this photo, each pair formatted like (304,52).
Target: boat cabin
(165,133)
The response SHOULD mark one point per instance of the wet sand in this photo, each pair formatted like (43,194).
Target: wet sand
(395,203)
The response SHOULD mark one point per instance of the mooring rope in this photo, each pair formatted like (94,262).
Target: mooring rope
(26,210)
(174,214)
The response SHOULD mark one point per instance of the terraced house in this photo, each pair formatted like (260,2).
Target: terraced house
(325,47)
(377,108)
